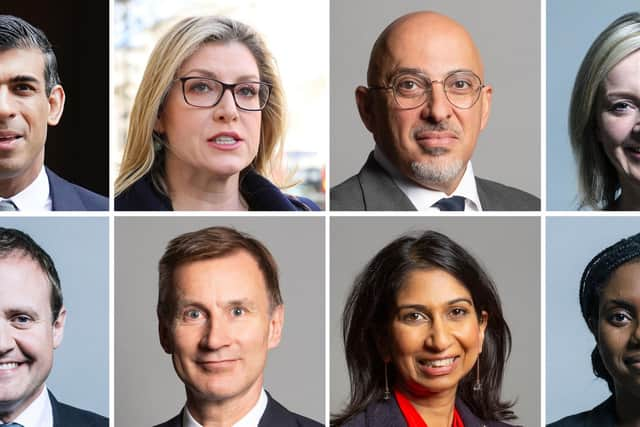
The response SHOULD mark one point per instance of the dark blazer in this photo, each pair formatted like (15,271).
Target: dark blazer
(66,196)
(275,415)
(603,415)
(373,189)
(261,195)
(386,413)
(68,416)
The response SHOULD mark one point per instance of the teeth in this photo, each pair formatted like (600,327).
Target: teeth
(439,363)
(7,366)
(224,140)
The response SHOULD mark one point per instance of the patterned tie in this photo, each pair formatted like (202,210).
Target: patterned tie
(454,203)
(7,205)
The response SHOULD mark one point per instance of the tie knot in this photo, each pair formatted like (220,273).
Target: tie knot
(453,203)
(7,205)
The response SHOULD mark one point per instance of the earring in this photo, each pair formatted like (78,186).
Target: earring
(386,394)
(477,385)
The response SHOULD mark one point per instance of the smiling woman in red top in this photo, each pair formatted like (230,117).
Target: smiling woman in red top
(425,339)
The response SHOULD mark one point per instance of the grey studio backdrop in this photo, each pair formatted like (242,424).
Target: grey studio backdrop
(79,248)
(508,248)
(147,390)
(508,36)
(571,244)
(572,25)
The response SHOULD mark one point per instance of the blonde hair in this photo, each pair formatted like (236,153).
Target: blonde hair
(145,151)
(598,180)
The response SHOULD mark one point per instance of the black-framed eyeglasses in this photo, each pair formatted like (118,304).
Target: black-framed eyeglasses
(205,92)
(412,90)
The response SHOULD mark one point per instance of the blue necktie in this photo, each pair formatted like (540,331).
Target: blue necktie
(454,203)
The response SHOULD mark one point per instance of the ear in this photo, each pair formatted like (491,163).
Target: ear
(485,100)
(166,340)
(56,105)
(484,319)
(58,327)
(275,326)
(363,102)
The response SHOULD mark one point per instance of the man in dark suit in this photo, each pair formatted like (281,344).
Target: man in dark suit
(219,312)
(31,99)
(425,104)
(32,319)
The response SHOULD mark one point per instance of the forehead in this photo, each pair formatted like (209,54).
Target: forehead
(221,59)
(233,277)
(21,62)
(624,284)
(23,283)
(625,74)
(431,287)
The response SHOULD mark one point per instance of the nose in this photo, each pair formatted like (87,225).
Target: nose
(226,109)
(7,109)
(7,342)
(437,108)
(216,334)
(438,337)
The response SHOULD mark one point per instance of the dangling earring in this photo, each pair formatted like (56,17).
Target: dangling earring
(477,385)
(387,393)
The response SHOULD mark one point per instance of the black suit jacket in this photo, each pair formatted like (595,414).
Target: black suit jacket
(275,415)
(386,413)
(66,196)
(603,415)
(68,416)
(373,189)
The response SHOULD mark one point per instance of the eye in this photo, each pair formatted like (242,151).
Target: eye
(22,320)
(409,86)
(238,311)
(619,318)
(246,90)
(458,312)
(620,106)
(24,89)
(414,317)
(192,314)
(199,86)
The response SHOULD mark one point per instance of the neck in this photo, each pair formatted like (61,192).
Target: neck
(12,182)
(10,411)
(627,409)
(199,190)
(223,412)
(436,409)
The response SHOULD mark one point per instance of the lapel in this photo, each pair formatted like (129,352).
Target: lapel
(63,195)
(379,191)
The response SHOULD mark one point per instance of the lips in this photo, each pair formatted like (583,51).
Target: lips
(633,361)
(225,140)
(5,366)
(8,137)
(439,366)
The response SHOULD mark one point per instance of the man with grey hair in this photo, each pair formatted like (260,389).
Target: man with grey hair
(425,104)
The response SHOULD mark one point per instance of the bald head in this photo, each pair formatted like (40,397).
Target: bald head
(423,34)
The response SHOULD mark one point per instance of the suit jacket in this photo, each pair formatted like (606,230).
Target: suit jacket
(603,415)
(66,196)
(275,415)
(373,189)
(386,413)
(68,416)
(261,195)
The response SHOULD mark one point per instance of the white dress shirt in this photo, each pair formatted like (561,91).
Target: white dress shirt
(424,198)
(36,197)
(39,413)
(250,420)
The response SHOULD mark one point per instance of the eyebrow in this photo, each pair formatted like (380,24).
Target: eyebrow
(22,78)
(412,70)
(213,75)
(619,303)
(424,307)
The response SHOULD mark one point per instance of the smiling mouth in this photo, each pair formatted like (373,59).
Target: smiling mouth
(224,140)
(8,366)
(9,138)
(438,363)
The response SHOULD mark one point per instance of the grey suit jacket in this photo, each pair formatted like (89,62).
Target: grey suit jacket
(603,415)
(373,189)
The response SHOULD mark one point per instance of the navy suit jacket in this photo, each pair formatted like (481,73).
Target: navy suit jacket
(275,415)
(373,189)
(66,196)
(386,413)
(603,415)
(68,416)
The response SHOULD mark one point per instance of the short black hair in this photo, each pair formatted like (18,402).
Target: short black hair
(16,33)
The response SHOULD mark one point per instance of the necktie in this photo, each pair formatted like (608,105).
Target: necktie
(7,205)
(454,203)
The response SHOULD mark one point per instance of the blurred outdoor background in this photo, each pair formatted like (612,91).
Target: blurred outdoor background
(297,33)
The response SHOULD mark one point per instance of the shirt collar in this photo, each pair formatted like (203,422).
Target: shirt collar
(36,197)
(423,198)
(38,413)
(251,419)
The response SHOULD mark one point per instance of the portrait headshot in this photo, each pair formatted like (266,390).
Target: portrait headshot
(225,323)
(416,94)
(592,106)
(54,322)
(427,323)
(593,322)
(208,126)
(54,133)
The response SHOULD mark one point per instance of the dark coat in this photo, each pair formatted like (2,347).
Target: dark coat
(261,195)
(275,415)
(386,413)
(66,196)
(373,189)
(68,416)
(603,415)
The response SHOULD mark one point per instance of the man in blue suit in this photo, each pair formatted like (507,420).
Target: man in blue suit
(32,318)
(31,99)
(220,311)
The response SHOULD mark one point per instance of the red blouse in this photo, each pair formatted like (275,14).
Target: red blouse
(413,418)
